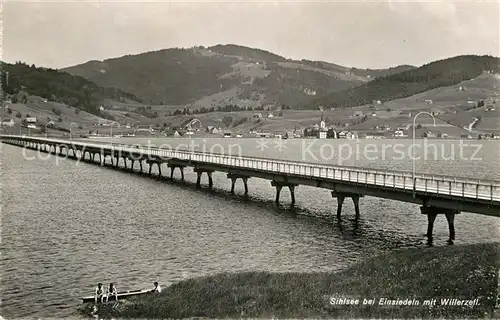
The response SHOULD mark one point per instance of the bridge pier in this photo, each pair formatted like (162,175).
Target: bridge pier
(432,213)
(153,162)
(199,172)
(172,167)
(125,163)
(235,177)
(340,201)
(279,185)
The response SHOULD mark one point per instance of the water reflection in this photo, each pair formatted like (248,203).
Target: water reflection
(68,227)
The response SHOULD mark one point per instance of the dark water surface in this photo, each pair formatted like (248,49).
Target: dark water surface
(66,227)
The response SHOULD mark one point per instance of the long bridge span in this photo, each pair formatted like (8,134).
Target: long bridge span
(436,194)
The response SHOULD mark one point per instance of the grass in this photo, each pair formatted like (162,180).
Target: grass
(461,272)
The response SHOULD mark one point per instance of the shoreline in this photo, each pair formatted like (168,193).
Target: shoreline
(451,281)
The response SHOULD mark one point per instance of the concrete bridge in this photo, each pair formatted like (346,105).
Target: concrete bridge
(437,194)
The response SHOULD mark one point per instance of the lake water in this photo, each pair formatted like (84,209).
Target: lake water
(66,227)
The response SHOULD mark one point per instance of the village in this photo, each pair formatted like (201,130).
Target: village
(470,118)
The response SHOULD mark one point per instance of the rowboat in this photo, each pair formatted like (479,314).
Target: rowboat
(121,295)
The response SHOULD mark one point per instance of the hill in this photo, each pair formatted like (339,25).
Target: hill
(440,73)
(222,74)
(57,86)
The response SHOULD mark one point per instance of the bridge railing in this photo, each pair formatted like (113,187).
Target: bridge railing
(433,184)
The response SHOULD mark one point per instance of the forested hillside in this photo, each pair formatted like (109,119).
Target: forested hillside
(433,75)
(58,86)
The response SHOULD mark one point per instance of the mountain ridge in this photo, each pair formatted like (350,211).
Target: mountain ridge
(182,76)
(440,73)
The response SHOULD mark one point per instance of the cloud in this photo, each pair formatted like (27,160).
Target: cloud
(359,34)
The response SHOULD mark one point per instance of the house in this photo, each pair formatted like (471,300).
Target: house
(351,135)
(8,122)
(213,129)
(177,134)
(270,115)
(428,101)
(357,114)
(31,120)
(343,134)
(429,134)
(257,115)
(101,108)
(322,134)
(400,134)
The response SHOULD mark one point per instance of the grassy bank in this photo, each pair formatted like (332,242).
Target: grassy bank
(461,272)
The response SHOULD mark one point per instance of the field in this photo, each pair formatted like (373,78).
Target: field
(451,106)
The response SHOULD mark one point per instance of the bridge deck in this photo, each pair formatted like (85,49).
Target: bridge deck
(433,186)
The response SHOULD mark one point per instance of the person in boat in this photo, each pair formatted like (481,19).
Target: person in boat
(112,292)
(157,288)
(99,292)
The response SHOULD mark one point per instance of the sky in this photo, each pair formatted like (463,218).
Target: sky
(361,34)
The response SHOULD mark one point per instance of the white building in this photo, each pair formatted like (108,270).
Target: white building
(352,135)
(399,134)
(8,122)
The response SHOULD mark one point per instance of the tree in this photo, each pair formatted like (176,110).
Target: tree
(14,98)
(9,110)
(18,115)
(227,120)
(59,119)
(77,111)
